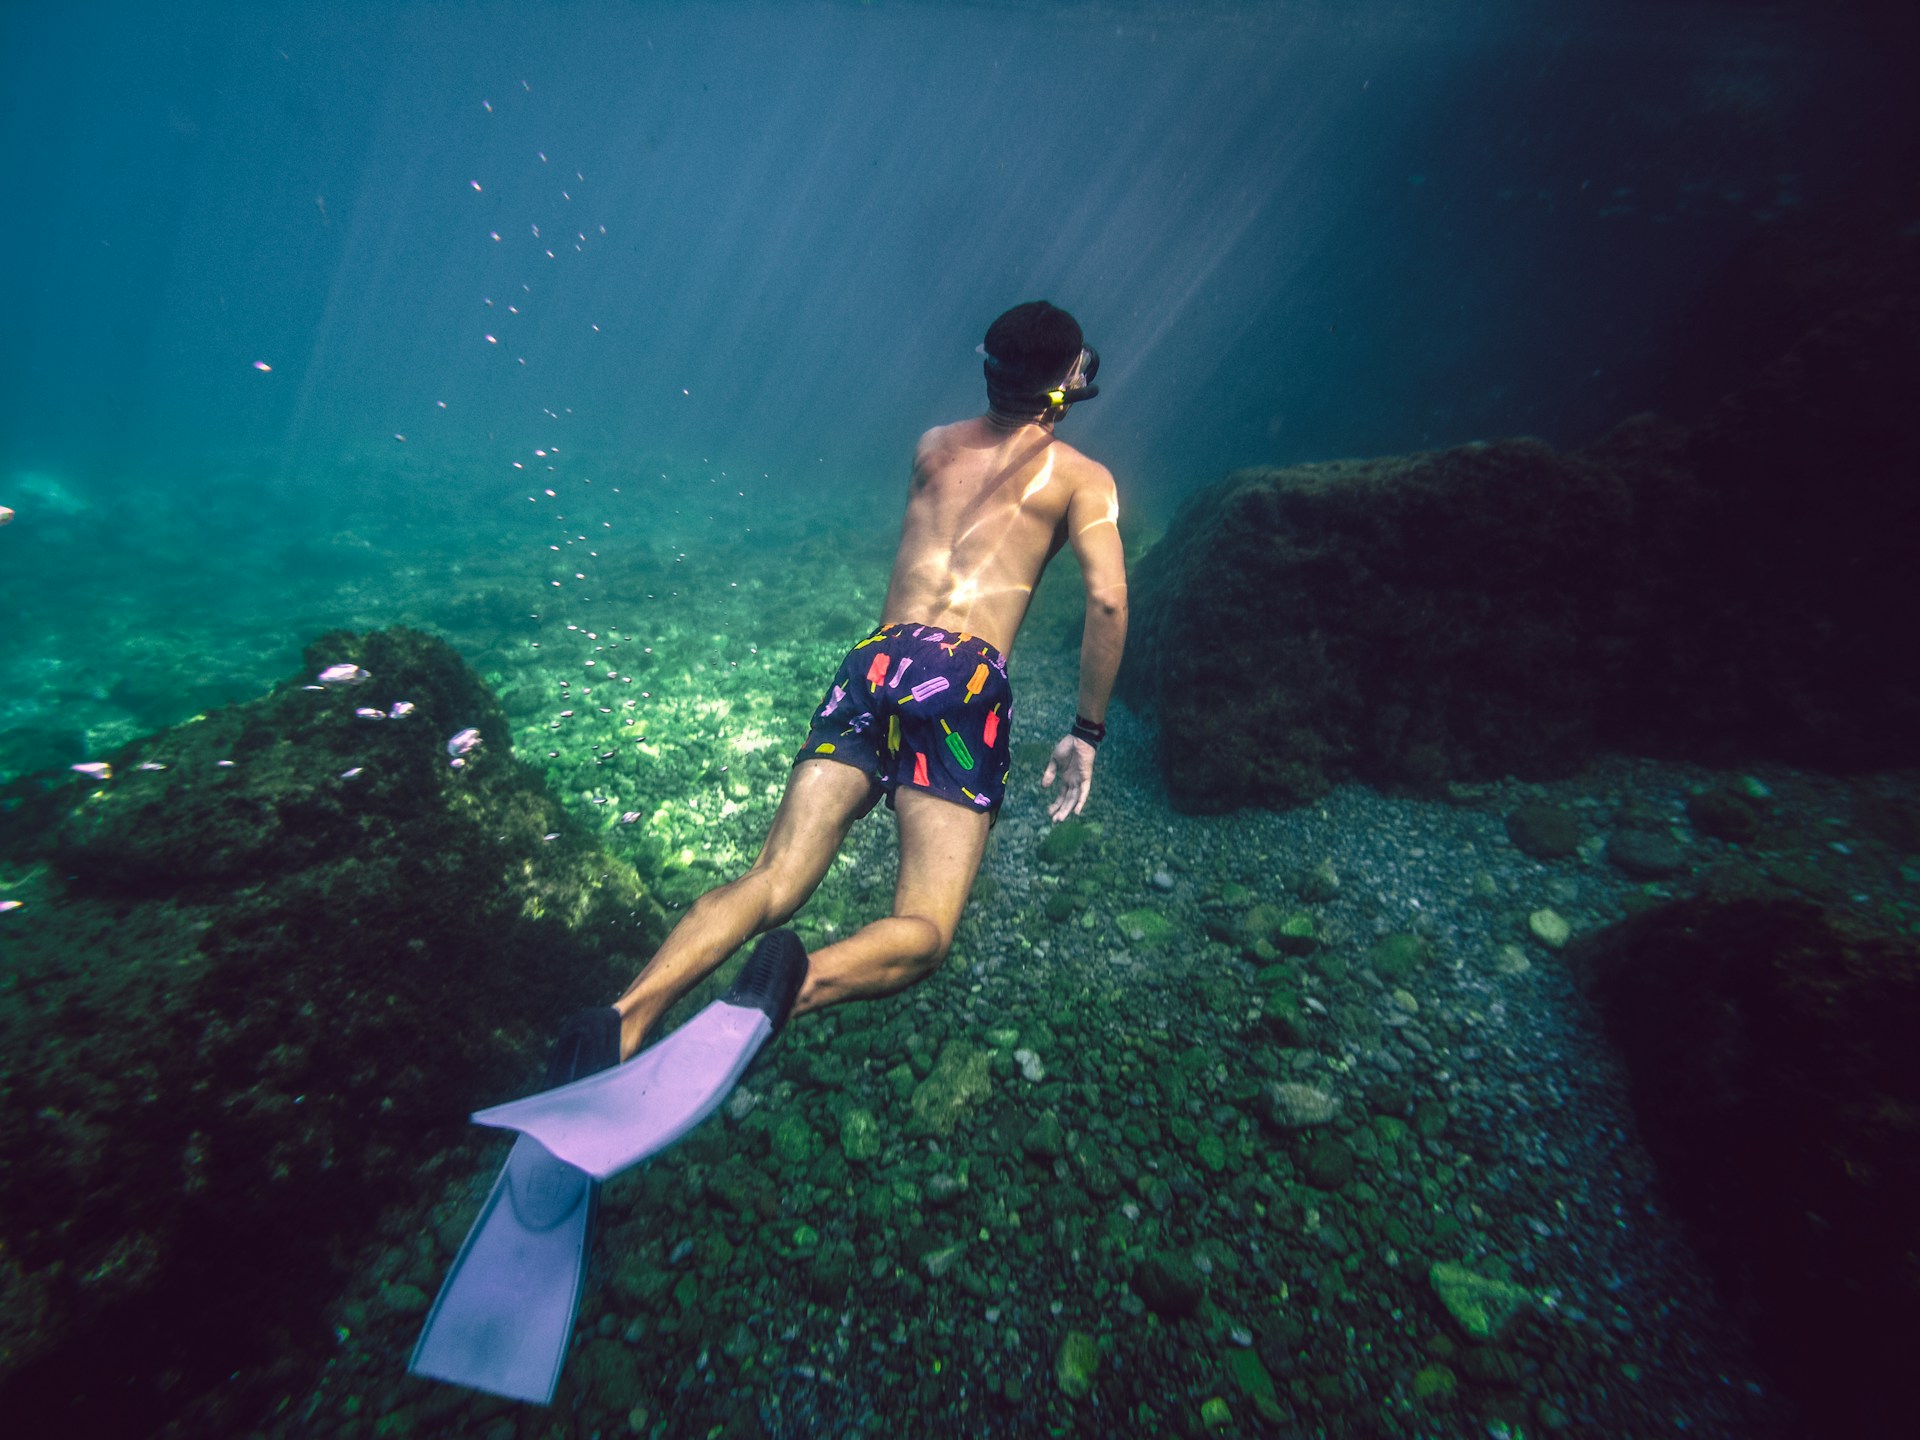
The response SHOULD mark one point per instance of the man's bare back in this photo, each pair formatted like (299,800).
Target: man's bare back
(987,508)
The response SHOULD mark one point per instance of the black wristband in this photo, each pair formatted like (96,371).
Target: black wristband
(1088,730)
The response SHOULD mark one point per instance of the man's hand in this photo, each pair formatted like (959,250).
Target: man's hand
(1072,762)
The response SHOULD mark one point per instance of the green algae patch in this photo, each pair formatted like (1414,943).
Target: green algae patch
(1254,1382)
(1148,928)
(1395,957)
(859,1135)
(958,1080)
(1484,1309)
(1329,1164)
(1077,1362)
(1066,840)
(324,893)
(1436,1386)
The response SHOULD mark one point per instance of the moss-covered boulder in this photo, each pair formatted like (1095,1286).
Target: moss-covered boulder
(1503,608)
(1146,928)
(1329,1163)
(311,946)
(1076,1363)
(959,1080)
(1484,1307)
(1065,840)
(1395,957)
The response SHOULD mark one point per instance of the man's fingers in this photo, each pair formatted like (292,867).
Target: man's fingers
(1046,777)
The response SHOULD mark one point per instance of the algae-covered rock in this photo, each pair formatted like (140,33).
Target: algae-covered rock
(1289,1105)
(1318,884)
(1436,1386)
(1065,840)
(1045,1139)
(859,1135)
(743,1188)
(1296,935)
(1329,1164)
(1062,905)
(360,944)
(958,1080)
(1256,1383)
(1501,608)
(1147,927)
(1395,957)
(1483,1308)
(1076,1363)
(1282,1020)
(794,1141)
(605,1369)
(1268,931)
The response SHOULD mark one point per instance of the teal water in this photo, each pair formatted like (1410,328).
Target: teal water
(584,333)
(283,275)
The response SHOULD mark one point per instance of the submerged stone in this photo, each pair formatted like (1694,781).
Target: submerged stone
(1169,1283)
(1288,1105)
(1065,840)
(1076,1364)
(1318,885)
(1395,957)
(1045,1138)
(1550,928)
(1483,1308)
(1436,1385)
(1147,927)
(958,1080)
(1256,1383)
(1646,854)
(1546,832)
(1329,1164)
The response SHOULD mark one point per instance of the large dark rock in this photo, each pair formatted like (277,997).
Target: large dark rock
(1776,1080)
(1729,589)
(1403,621)
(252,1002)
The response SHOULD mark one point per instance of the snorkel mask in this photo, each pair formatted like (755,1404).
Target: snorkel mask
(1012,390)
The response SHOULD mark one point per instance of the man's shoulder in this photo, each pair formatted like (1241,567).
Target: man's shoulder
(1080,467)
(939,438)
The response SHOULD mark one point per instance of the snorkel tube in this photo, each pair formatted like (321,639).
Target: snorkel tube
(1013,391)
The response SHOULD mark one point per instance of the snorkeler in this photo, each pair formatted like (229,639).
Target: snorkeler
(990,502)
(920,712)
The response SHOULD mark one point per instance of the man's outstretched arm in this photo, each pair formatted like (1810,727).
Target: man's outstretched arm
(1094,531)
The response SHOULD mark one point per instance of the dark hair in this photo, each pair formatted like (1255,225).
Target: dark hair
(1031,347)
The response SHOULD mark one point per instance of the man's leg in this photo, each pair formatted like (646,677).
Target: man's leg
(940,848)
(823,799)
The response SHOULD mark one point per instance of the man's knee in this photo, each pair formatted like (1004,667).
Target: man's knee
(934,942)
(775,895)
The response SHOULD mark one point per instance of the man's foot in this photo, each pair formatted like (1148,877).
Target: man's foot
(589,1041)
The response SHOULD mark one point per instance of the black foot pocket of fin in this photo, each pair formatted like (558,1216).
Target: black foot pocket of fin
(589,1041)
(772,977)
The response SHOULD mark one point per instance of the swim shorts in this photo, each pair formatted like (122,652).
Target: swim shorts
(912,705)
